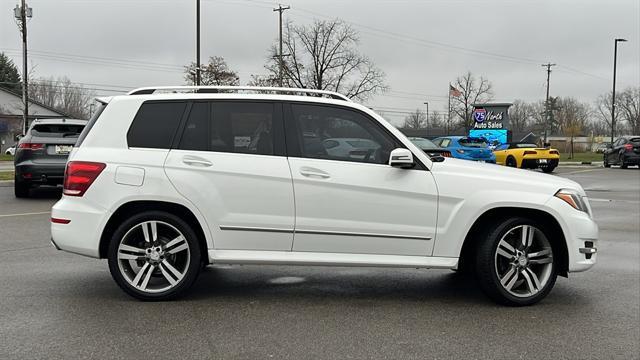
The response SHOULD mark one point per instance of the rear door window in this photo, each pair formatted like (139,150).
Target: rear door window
(155,124)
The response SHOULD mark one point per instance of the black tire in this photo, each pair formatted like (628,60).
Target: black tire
(191,270)
(20,188)
(548,169)
(486,268)
(511,162)
(605,161)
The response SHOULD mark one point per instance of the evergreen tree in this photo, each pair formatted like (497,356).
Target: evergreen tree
(9,75)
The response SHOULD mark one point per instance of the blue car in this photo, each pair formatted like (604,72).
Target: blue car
(467,148)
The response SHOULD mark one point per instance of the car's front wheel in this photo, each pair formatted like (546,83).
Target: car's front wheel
(515,262)
(154,256)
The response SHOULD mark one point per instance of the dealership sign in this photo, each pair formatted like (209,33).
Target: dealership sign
(490,116)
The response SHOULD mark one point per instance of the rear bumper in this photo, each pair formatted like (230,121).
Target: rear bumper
(82,234)
(44,174)
(537,163)
(631,158)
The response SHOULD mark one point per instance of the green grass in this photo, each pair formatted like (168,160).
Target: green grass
(6,157)
(6,175)
(585,156)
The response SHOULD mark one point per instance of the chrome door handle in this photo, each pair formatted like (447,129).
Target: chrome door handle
(314,173)
(196,161)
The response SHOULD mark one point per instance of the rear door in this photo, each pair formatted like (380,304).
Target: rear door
(229,162)
(355,203)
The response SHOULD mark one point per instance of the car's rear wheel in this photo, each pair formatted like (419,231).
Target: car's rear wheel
(511,162)
(154,256)
(20,188)
(515,263)
(605,161)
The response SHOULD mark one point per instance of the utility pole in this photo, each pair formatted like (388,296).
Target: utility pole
(197,42)
(280,10)
(22,13)
(613,94)
(546,104)
(427,103)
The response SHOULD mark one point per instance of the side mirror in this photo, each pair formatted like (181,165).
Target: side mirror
(401,158)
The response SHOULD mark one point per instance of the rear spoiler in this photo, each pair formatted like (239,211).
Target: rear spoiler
(104,100)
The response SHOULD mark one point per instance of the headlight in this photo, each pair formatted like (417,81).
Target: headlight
(573,198)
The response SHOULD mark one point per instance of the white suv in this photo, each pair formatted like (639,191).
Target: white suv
(166,180)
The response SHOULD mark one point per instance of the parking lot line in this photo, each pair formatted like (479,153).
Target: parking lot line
(26,214)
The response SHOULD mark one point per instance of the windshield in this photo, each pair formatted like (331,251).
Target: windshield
(473,142)
(57,130)
(423,143)
(635,140)
(520,146)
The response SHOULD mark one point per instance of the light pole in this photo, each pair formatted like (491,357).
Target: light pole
(613,94)
(197,43)
(427,103)
(22,13)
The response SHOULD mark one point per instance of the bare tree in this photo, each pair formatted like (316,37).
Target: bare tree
(215,72)
(603,110)
(473,90)
(323,56)
(263,80)
(62,95)
(572,118)
(521,116)
(629,107)
(416,120)
(436,120)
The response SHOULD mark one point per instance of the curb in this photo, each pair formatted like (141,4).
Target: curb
(584,163)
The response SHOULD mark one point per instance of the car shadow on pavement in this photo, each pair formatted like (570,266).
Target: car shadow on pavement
(45,192)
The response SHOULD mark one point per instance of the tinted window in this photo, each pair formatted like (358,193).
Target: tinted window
(242,127)
(472,142)
(196,131)
(155,124)
(635,140)
(56,130)
(358,138)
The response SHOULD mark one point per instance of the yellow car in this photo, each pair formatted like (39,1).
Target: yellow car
(527,156)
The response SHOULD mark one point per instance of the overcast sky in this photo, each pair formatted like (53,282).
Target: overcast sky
(421,45)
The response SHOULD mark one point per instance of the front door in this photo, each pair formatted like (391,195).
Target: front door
(230,163)
(348,200)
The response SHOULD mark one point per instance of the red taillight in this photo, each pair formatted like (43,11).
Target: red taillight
(60,221)
(530,152)
(31,146)
(79,175)
(628,147)
(554,152)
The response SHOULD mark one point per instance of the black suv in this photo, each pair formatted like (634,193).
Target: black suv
(624,152)
(41,155)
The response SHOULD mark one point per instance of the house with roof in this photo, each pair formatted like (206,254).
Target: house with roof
(11,116)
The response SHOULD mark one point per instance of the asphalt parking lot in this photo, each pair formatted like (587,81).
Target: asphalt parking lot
(56,305)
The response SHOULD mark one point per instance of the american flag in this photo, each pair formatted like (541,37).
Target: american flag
(453,91)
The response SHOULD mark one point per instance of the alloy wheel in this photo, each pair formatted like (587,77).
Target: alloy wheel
(524,261)
(153,256)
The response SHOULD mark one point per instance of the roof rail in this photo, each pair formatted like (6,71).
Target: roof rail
(257,89)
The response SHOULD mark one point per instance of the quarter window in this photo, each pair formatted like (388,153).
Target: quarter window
(155,124)
(340,134)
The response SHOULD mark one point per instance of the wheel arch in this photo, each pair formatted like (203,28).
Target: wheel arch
(470,242)
(133,207)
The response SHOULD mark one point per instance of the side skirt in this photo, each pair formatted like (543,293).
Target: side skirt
(328,259)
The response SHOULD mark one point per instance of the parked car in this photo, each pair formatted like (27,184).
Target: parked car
(527,156)
(429,147)
(42,153)
(601,148)
(349,148)
(624,152)
(165,180)
(467,148)
(10,150)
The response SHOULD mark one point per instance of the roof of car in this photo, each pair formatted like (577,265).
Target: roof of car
(238,90)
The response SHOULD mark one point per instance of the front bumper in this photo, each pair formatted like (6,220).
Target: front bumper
(82,234)
(581,235)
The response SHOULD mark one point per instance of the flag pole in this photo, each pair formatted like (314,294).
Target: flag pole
(448,108)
